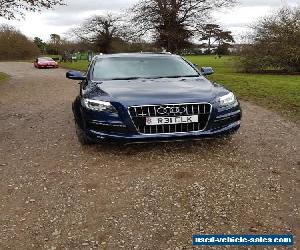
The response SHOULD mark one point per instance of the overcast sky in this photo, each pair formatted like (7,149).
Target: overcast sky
(63,18)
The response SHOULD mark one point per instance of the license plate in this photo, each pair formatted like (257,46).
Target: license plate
(171,120)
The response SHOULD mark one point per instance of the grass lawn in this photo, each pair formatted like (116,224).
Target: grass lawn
(277,92)
(79,65)
(3,76)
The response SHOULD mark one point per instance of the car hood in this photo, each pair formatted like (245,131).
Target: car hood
(157,91)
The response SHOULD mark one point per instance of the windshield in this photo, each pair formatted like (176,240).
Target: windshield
(115,68)
(45,59)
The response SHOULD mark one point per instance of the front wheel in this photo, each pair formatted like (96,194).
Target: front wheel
(82,138)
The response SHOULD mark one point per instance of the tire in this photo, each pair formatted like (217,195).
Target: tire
(82,138)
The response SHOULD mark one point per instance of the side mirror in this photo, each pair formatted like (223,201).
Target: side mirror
(206,71)
(75,75)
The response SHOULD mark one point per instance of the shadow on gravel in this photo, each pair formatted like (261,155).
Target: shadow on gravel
(163,147)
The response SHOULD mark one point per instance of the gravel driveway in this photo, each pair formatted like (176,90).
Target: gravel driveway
(56,194)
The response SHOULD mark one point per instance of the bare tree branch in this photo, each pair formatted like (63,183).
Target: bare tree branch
(174,22)
(101,31)
(12,9)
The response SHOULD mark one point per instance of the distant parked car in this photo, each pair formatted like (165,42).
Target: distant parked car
(45,62)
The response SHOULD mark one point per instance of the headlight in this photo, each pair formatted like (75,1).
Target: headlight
(99,105)
(227,99)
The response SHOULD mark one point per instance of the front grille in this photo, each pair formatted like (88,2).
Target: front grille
(139,114)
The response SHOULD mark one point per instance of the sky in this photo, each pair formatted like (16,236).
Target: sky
(59,20)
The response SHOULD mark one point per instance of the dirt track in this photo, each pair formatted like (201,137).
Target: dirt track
(55,194)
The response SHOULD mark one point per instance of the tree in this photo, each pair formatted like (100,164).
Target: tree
(212,33)
(173,22)
(39,43)
(209,32)
(11,9)
(224,37)
(274,43)
(55,41)
(15,46)
(102,31)
(224,40)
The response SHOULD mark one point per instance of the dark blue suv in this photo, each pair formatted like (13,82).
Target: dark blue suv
(146,97)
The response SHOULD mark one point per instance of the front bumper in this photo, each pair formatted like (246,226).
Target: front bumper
(99,137)
(47,66)
(121,129)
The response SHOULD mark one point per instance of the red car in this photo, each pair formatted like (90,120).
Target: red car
(45,62)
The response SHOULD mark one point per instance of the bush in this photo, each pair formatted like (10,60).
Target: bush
(15,46)
(274,43)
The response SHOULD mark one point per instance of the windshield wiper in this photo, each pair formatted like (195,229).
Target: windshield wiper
(158,77)
(125,78)
(155,77)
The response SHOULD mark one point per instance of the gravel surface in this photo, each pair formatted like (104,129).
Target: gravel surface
(56,194)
